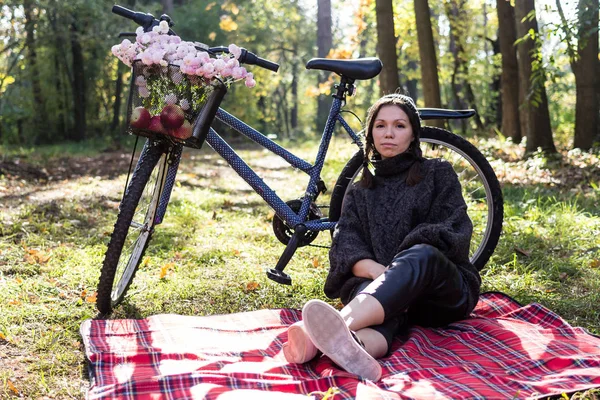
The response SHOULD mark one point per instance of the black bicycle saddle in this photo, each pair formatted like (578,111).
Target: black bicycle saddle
(361,68)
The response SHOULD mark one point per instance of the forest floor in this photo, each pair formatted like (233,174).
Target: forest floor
(58,207)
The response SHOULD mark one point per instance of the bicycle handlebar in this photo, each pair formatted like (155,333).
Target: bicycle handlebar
(147,21)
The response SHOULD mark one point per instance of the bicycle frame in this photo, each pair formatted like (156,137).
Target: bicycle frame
(312,170)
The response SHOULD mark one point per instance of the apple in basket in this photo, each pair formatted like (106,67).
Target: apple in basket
(157,126)
(140,118)
(183,132)
(172,116)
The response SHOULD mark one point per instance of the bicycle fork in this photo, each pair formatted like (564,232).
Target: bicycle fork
(167,173)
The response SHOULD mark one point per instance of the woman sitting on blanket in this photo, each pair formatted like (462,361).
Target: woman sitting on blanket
(400,252)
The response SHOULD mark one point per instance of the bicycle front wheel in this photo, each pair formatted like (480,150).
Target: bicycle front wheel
(480,187)
(134,227)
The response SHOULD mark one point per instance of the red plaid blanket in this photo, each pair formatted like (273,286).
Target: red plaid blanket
(503,351)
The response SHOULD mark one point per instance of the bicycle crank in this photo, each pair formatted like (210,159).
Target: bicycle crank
(284,233)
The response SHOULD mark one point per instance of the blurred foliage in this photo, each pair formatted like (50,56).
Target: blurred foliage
(283,31)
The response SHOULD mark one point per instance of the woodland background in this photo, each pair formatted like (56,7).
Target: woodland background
(530,69)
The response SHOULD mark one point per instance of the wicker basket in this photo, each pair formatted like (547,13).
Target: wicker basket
(166,104)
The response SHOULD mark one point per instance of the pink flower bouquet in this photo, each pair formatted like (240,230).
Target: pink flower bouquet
(172,80)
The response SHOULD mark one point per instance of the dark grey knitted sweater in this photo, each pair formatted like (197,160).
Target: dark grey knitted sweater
(379,222)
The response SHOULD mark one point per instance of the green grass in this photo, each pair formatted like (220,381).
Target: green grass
(217,240)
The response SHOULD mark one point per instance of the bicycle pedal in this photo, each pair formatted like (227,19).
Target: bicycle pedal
(279,276)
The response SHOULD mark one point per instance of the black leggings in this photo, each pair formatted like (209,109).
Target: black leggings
(422,287)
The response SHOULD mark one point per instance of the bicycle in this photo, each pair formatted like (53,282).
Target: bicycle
(297,222)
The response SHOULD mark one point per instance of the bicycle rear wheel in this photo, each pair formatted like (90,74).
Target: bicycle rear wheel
(480,187)
(134,227)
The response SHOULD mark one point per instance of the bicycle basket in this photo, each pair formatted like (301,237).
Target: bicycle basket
(165,103)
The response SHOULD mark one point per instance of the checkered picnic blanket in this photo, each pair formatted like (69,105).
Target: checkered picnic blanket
(504,350)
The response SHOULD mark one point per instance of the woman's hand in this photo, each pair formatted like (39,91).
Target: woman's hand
(368,268)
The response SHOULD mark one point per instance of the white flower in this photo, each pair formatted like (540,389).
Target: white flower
(140,80)
(219,64)
(235,50)
(171,99)
(185,105)
(145,38)
(143,91)
(250,83)
(139,31)
(164,27)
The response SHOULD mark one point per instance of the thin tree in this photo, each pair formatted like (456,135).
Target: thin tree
(509,82)
(324,45)
(427,53)
(585,66)
(532,76)
(461,88)
(78,83)
(386,47)
(40,116)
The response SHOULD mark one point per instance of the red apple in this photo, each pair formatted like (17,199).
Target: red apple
(172,116)
(140,118)
(183,132)
(157,126)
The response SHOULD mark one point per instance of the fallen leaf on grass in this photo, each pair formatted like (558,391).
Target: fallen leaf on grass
(165,268)
(315,262)
(251,286)
(12,387)
(526,253)
(91,298)
(34,256)
(2,337)
(145,262)
(595,263)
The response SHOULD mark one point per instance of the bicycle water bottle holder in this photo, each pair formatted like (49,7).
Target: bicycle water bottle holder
(276,274)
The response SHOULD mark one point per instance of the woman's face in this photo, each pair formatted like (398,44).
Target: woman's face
(392,131)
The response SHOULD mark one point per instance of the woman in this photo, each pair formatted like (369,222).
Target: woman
(400,252)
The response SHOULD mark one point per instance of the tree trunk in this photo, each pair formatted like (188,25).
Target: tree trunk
(538,129)
(509,81)
(167,7)
(460,84)
(114,126)
(586,69)
(324,45)
(386,47)
(429,69)
(294,90)
(78,84)
(411,84)
(40,118)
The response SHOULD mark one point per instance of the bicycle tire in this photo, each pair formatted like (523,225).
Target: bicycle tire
(458,151)
(109,295)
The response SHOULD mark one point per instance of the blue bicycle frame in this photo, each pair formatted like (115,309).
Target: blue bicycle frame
(313,170)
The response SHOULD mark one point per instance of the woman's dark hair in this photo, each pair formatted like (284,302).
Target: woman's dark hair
(408,106)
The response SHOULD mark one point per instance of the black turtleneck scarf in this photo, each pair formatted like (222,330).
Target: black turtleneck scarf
(379,222)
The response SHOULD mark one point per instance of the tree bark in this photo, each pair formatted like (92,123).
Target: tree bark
(114,126)
(427,53)
(294,90)
(167,7)
(509,81)
(586,69)
(40,116)
(324,45)
(78,84)
(456,15)
(386,47)
(538,129)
